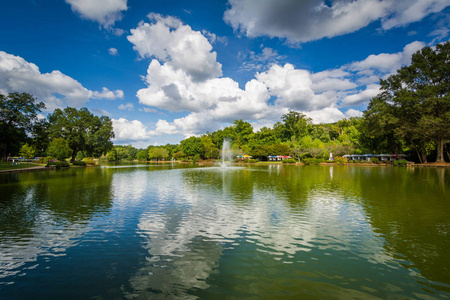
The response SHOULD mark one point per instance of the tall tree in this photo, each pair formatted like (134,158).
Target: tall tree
(296,124)
(18,114)
(59,149)
(192,146)
(82,130)
(417,95)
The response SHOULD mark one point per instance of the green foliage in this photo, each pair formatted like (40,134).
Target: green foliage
(80,156)
(18,114)
(112,155)
(312,161)
(27,151)
(89,160)
(59,149)
(374,160)
(295,124)
(289,161)
(413,108)
(339,160)
(158,153)
(142,154)
(253,161)
(82,130)
(79,163)
(192,146)
(58,164)
(400,163)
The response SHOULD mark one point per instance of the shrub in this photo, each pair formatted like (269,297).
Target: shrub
(58,164)
(400,163)
(79,163)
(356,161)
(374,160)
(289,161)
(305,156)
(312,161)
(340,160)
(89,160)
(252,161)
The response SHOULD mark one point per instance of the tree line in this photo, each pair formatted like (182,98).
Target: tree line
(64,133)
(411,115)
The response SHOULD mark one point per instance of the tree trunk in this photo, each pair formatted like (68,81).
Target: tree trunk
(447,151)
(419,155)
(74,155)
(440,150)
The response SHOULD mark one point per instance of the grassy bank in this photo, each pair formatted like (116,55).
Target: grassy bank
(9,165)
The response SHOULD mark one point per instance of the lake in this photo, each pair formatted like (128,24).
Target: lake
(255,232)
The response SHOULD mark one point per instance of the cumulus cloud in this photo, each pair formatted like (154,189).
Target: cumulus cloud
(106,94)
(325,115)
(105,12)
(135,132)
(55,89)
(309,20)
(353,113)
(385,62)
(364,96)
(211,102)
(168,40)
(322,95)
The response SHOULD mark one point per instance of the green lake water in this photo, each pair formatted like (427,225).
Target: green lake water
(256,232)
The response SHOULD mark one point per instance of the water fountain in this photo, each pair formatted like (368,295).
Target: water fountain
(226,153)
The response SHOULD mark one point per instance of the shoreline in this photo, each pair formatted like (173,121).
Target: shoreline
(203,163)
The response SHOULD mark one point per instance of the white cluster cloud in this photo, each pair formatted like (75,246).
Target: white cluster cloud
(106,94)
(105,12)
(126,130)
(55,89)
(180,47)
(174,84)
(309,20)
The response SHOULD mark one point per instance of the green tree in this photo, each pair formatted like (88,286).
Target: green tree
(295,124)
(243,131)
(59,149)
(417,98)
(158,153)
(192,146)
(112,155)
(18,114)
(27,151)
(40,136)
(209,149)
(379,126)
(82,130)
(142,154)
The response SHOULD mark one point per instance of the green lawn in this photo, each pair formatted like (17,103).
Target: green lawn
(9,166)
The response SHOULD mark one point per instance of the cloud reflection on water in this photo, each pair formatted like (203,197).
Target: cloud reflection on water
(200,213)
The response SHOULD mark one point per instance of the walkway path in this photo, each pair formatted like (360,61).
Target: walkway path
(24,169)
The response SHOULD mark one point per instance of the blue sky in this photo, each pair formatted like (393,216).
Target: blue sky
(166,70)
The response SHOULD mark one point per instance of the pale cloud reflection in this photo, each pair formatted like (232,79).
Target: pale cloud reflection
(195,219)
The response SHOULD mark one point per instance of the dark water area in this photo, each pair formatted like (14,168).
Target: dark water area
(256,232)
